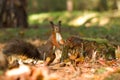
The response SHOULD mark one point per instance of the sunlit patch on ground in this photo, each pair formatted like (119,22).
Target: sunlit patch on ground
(82,19)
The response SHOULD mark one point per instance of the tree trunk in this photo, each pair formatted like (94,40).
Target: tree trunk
(118,4)
(102,6)
(69,5)
(13,13)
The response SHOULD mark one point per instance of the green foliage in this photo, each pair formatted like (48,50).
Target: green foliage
(46,5)
(85,5)
(109,30)
(31,33)
(36,6)
(61,15)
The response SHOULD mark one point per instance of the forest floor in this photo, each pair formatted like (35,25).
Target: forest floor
(84,70)
(95,25)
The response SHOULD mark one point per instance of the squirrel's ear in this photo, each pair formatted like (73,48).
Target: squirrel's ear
(51,22)
(59,22)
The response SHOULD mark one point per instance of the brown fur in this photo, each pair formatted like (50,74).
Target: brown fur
(54,42)
(21,47)
(48,50)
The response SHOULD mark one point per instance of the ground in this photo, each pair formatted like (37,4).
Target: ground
(96,25)
(85,70)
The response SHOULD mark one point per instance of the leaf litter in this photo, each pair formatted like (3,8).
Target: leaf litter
(101,69)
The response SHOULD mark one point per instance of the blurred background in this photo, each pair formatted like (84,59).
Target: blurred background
(29,19)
